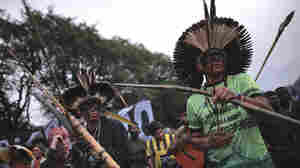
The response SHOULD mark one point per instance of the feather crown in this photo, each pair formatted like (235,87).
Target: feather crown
(212,33)
(87,90)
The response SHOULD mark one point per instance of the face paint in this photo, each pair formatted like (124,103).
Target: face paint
(213,55)
(213,61)
(213,58)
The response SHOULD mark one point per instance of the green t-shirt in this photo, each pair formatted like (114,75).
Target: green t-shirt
(247,143)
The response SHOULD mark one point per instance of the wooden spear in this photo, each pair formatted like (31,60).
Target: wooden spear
(205,93)
(282,27)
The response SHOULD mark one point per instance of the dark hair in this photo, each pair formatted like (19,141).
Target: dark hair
(130,127)
(153,126)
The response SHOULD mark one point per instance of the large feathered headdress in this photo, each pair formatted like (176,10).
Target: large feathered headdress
(88,91)
(213,34)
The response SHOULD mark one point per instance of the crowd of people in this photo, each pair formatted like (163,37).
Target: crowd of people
(61,148)
(252,145)
(214,55)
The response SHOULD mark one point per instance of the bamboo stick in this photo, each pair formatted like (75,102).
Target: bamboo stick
(98,150)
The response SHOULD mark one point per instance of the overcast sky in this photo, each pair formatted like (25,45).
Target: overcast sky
(158,24)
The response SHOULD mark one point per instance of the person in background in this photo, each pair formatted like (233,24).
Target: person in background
(58,155)
(39,156)
(157,147)
(89,101)
(281,136)
(136,149)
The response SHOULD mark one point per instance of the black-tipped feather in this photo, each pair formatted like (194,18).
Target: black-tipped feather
(206,14)
(212,9)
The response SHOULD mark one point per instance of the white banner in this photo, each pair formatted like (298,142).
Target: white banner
(142,115)
(125,113)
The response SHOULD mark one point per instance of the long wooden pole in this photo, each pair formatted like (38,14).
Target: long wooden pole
(98,150)
(202,92)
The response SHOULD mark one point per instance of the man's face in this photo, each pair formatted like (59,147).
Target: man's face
(64,142)
(91,110)
(211,64)
(37,152)
(92,114)
(159,133)
(214,64)
(134,131)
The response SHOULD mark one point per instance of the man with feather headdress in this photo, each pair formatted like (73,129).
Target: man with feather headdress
(89,101)
(219,50)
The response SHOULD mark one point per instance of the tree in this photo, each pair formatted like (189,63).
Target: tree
(53,48)
(14,114)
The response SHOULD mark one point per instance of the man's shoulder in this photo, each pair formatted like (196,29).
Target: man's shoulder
(240,76)
(244,83)
(195,96)
(195,99)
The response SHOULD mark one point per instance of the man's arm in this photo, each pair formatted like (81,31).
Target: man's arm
(223,94)
(202,143)
(212,141)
